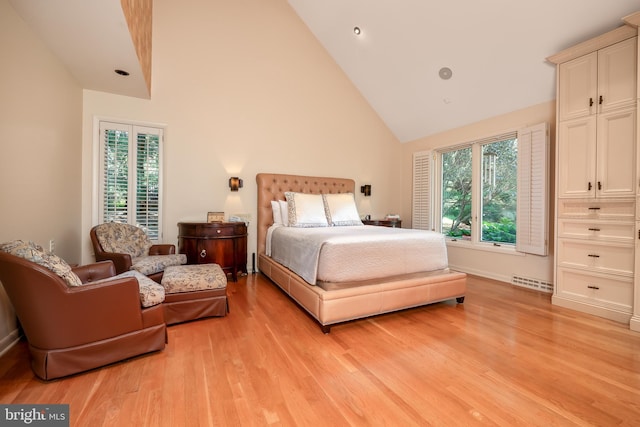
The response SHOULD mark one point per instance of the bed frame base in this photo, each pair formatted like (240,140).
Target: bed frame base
(331,307)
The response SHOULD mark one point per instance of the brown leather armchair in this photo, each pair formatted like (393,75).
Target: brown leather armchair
(74,329)
(135,250)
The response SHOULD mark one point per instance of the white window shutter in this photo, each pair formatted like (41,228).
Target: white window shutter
(130,181)
(533,187)
(421,210)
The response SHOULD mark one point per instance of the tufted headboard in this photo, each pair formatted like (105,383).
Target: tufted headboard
(273,186)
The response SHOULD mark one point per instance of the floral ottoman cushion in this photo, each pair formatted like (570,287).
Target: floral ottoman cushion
(193,277)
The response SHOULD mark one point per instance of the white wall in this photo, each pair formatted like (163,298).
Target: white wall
(244,87)
(40,147)
(485,263)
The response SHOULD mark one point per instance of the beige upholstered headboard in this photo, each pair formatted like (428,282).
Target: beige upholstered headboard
(273,186)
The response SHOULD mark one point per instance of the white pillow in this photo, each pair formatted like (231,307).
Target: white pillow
(306,210)
(284,211)
(341,209)
(277,214)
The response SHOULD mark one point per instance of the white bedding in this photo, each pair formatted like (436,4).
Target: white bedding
(355,253)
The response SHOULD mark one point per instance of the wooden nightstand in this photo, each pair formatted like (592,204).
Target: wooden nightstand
(222,243)
(394,223)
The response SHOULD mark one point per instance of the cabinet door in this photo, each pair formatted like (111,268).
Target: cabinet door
(577,157)
(218,251)
(577,83)
(617,65)
(616,153)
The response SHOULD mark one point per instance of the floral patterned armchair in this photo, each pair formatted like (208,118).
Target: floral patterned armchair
(129,248)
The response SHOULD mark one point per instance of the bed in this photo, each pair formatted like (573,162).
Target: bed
(352,298)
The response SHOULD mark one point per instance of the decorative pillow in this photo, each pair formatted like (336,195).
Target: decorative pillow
(34,253)
(122,238)
(306,210)
(277,213)
(284,211)
(341,209)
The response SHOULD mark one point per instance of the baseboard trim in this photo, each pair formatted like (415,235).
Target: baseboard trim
(481,273)
(634,323)
(607,313)
(9,341)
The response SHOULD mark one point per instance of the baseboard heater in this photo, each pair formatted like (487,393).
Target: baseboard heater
(536,284)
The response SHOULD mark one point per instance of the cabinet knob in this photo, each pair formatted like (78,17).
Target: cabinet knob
(203,253)
(218,231)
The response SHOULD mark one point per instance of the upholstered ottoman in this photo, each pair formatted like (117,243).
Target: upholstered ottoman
(193,292)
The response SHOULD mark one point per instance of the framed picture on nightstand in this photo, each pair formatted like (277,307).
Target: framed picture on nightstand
(215,217)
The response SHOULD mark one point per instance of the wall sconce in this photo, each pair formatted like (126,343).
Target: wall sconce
(366,190)
(235,183)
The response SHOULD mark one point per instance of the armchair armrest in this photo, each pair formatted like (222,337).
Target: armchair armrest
(162,249)
(103,310)
(122,262)
(96,271)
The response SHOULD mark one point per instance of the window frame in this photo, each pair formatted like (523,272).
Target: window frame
(532,187)
(476,195)
(134,129)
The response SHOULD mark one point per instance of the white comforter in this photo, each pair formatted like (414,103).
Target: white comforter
(341,254)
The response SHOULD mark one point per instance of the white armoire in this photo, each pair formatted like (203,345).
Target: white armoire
(597,214)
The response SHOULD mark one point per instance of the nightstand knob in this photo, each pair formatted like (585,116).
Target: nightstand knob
(218,231)
(203,253)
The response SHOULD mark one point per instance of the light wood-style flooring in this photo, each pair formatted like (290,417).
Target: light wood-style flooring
(505,357)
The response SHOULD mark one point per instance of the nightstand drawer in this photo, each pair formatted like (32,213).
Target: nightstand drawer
(607,291)
(216,230)
(602,257)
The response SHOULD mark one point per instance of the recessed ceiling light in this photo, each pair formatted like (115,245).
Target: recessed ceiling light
(121,72)
(445,73)
(356,31)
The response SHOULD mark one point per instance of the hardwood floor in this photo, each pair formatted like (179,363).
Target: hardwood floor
(505,357)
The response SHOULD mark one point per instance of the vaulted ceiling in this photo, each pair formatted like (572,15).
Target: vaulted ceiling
(495,50)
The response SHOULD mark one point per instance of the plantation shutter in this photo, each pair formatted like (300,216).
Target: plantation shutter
(130,187)
(114,195)
(147,182)
(533,186)
(421,210)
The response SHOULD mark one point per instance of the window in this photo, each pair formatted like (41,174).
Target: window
(490,192)
(130,176)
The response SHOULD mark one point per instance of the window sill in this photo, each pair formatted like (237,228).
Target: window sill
(487,247)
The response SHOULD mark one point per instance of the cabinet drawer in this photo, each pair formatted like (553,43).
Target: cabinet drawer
(618,231)
(608,292)
(597,209)
(214,230)
(221,232)
(602,257)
